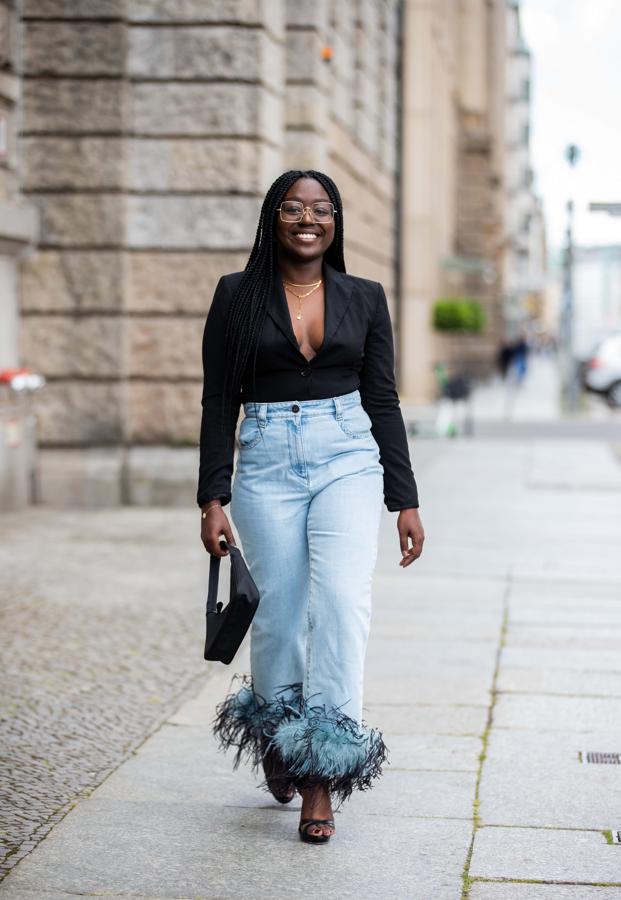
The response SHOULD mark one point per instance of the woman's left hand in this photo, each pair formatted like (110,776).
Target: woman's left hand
(409,525)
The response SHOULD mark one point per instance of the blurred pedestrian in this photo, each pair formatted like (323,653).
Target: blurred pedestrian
(519,358)
(503,359)
(307,494)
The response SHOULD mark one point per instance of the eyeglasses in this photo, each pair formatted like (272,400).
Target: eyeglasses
(293,211)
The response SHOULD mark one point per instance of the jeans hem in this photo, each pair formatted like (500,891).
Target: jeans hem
(317,745)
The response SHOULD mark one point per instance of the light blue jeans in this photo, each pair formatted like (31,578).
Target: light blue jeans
(307,498)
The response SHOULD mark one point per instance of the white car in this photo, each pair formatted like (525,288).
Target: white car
(603,369)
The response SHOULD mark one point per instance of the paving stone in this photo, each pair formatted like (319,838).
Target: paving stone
(569,659)
(567,636)
(514,891)
(162,824)
(573,682)
(430,794)
(585,465)
(565,604)
(537,779)
(429,671)
(549,713)
(428,752)
(185,846)
(543,854)
(84,679)
(432,718)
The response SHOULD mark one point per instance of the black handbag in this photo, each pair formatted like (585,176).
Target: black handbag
(226,627)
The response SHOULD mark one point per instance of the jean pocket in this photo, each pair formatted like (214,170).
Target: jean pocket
(354,421)
(250,432)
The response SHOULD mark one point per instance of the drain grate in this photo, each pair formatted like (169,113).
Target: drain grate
(596,757)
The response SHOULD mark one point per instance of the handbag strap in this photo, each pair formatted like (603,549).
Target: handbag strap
(214,574)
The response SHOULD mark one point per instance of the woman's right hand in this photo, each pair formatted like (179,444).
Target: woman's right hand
(213,525)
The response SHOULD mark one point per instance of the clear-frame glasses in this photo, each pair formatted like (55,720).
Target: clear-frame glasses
(293,211)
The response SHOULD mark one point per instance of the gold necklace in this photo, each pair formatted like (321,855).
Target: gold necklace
(301,296)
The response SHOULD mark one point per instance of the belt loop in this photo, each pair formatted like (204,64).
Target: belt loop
(337,406)
(262,414)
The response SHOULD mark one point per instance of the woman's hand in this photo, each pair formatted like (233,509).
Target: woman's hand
(212,526)
(409,525)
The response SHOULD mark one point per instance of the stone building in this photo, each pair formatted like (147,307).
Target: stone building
(453,174)
(147,132)
(524,259)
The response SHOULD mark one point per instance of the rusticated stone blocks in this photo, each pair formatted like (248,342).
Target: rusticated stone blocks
(80,413)
(167,348)
(176,282)
(60,346)
(73,48)
(73,9)
(72,106)
(67,163)
(72,281)
(163,413)
(187,221)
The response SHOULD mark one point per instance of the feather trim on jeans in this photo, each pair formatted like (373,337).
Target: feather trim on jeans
(317,745)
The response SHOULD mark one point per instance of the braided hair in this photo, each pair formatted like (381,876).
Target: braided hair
(248,306)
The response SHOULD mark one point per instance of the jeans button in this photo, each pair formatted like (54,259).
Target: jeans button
(295,408)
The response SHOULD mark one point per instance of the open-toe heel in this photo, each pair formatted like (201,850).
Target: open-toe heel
(281,788)
(314,838)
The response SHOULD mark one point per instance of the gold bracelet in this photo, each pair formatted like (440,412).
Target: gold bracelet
(209,508)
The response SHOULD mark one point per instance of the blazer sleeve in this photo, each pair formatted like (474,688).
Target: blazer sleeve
(217,444)
(380,399)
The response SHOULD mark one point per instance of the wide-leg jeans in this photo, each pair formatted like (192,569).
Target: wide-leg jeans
(307,497)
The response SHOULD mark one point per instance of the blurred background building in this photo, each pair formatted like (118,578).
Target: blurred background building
(524,263)
(137,139)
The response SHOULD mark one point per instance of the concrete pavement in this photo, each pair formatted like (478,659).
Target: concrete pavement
(504,638)
(494,671)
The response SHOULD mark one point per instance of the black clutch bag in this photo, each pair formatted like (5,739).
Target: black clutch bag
(226,627)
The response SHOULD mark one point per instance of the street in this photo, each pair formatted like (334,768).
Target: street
(493,670)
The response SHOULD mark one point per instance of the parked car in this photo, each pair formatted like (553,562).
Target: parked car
(603,369)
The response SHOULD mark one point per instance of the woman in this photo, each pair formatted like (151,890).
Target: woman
(308,351)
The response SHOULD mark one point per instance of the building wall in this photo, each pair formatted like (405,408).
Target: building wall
(524,255)
(151,130)
(452,228)
(341,117)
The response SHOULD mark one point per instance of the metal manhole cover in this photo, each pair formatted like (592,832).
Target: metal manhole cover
(596,757)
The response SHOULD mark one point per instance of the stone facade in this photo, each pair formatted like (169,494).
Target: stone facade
(149,132)
(453,171)
(524,260)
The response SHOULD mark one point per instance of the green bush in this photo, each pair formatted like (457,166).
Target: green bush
(458,314)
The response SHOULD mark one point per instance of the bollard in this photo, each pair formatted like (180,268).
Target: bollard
(18,438)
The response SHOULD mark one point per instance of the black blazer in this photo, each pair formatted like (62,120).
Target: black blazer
(357,353)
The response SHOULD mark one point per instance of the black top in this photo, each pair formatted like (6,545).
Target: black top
(357,353)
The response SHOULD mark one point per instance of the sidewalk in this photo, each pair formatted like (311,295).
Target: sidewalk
(501,408)
(493,668)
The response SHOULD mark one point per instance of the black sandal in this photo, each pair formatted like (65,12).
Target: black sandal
(281,788)
(314,838)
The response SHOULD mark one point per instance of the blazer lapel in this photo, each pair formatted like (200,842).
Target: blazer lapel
(338,294)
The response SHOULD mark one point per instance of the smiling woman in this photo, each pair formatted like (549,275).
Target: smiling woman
(308,206)
(308,351)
